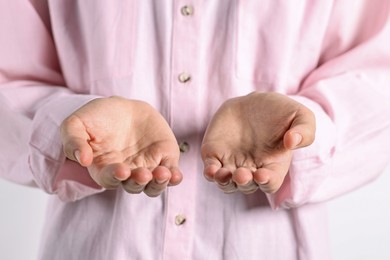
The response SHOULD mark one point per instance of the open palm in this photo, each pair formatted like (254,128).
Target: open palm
(249,142)
(123,142)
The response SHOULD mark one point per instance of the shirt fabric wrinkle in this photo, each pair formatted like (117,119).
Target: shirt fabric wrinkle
(138,50)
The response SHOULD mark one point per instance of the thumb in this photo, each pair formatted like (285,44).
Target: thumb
(302,130)
(75,141)
(78,150)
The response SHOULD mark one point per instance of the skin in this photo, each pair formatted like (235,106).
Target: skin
(248,143)
(123,143)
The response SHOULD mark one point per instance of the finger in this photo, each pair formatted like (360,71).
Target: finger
(223,178)
(75,141)
(230,187)
(248,188)
(80,151)
(243,177)
(302,130)
(269,179)
(138,180)
(211,166)
(176,176)
(154,189)
(161,177)
(210,171)
(110,176)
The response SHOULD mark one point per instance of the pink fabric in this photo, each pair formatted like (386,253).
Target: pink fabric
(332,56)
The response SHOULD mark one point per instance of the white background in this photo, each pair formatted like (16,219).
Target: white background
(359,222)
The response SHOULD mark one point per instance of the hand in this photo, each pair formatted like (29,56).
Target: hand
(123,142)
(249,142)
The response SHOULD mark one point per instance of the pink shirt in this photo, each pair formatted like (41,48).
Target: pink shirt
(332,56)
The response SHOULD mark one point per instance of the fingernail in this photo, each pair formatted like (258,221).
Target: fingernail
(161,181)
(263,182)
(297,139)
(77,155)
(225,183)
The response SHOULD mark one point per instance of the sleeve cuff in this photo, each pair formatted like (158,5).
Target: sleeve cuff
(301,181)
(50,168)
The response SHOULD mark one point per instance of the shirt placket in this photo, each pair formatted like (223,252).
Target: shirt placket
(180,208)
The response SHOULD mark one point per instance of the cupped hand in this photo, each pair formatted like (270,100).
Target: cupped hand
(125,143)
(250,140)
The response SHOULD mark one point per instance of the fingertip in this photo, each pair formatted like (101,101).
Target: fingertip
(161,174)
(84,157)
(210,171)
(122,172)
(223,176)
(297,139)
(141,176)
(106,177)
(268,181)
(305,126)
(292,140)
(264,182)
(137,181)
(242,176)
(176,177)
(261,177)
(78,150)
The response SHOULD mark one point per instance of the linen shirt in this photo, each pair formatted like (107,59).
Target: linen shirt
(185,58)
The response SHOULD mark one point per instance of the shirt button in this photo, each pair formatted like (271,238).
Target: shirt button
(180,219)
(187,10)
(184,147)
(184,77)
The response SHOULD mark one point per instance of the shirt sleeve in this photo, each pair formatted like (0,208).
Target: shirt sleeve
(350,95)
(34,100)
